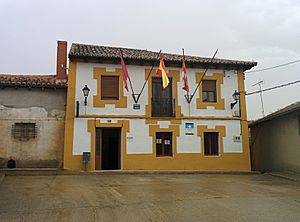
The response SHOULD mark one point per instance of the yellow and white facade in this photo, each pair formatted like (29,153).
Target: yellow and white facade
(138,128)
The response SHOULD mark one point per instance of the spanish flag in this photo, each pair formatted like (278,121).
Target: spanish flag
(163,72)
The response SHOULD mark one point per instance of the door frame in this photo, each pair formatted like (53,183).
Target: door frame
(98,145)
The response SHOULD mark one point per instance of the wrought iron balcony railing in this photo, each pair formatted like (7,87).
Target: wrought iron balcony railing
(163,107)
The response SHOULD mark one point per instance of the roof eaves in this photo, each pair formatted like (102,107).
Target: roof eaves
(275,114)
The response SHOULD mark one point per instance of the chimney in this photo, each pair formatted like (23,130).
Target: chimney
(61,65)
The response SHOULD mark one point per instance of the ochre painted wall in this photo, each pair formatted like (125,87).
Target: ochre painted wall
(275,144)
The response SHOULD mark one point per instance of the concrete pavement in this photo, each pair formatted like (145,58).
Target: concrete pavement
(166,197)
(2,175)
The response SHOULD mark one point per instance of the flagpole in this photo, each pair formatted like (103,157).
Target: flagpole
(154,64)
(187,92)
(192,95)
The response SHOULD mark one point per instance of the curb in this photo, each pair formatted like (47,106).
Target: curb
(284,176)
(49,172)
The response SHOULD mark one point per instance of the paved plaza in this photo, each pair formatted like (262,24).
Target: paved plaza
(149,197)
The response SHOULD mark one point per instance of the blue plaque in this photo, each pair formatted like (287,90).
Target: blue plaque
(189,125)
(189,129)
(86,157)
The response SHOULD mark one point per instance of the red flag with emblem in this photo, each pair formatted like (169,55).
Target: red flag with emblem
(184,78)
(125,73)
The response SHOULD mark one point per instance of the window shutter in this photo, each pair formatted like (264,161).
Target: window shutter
(209,85)
(110,87)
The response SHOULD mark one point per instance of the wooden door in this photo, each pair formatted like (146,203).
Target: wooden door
(98,149)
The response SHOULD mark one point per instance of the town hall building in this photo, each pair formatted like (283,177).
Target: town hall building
(107,127)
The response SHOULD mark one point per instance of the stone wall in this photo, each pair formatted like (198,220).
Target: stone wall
(45,108)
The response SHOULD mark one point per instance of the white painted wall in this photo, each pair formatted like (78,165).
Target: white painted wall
(138,139)
(82,138)
(84,76)
(141,142)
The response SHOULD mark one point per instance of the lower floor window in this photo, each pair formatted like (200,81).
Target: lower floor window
(211,143)
(163,144)
(24,131)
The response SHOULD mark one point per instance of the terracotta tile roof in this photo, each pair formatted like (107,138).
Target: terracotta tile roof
(286,110)
(31,81)
(96,52)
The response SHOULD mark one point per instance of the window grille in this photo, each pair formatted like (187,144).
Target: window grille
(24,131)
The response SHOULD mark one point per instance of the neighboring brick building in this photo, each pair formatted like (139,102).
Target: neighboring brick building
(32,116)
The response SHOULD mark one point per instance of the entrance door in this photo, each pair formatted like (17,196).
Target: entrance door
(108,150)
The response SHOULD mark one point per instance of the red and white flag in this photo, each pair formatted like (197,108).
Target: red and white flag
(184,78)
(125,73)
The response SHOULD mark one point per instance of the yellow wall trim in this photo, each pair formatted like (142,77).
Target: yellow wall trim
(186,161)
(174,129)
(220,104)
(218,129)
(159,119)
(70,161)
(244,122)
(113,116)
(212,117)
(98,102)
(92,124)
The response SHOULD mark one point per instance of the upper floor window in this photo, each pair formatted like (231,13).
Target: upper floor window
(209,91)
(211,143)
(110,87)
(163,104)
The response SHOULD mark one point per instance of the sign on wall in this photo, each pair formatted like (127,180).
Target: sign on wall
(129,138)
(136,106)
(189,127)
(236,139)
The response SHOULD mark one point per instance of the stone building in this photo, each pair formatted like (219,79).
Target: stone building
(275,140)
(161,131)
(32,116)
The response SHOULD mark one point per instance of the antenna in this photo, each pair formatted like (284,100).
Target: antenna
(261,98)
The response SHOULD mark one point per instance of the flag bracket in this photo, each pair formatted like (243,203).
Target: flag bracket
(189,97)
(135,97)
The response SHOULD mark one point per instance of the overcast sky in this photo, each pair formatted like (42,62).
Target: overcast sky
(264,31)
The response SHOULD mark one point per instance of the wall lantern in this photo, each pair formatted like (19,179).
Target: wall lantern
(236,97)
(86,92)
